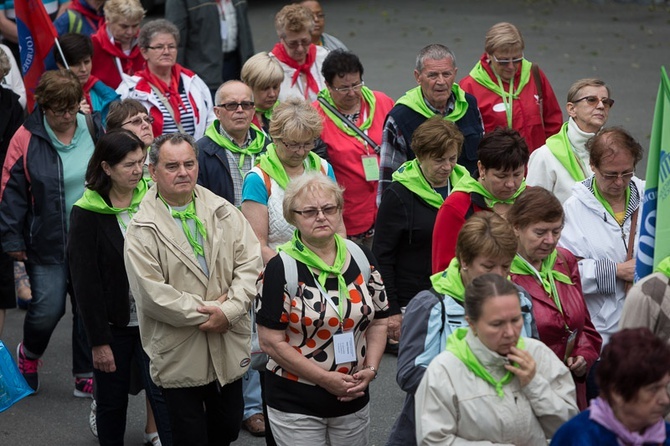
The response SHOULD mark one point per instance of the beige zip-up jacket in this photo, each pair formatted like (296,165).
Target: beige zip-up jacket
(455,407)
(169,284)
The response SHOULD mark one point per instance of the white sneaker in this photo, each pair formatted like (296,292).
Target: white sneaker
(152,439)
(92,419)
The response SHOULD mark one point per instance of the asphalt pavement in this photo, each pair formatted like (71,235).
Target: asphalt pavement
(624,44)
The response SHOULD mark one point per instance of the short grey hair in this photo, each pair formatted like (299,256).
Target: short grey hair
(219,91)
(295,119)
(5,65)
(160,26)
(172,138)
(434,51)
(309,182)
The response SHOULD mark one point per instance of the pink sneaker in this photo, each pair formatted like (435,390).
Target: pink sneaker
(28,368)
(83,387)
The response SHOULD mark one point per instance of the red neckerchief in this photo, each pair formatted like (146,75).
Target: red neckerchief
(171,92)
(94,19)
(87,89)
(280,53)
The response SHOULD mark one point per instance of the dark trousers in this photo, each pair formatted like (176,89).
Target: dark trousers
(112,389)
(205,415)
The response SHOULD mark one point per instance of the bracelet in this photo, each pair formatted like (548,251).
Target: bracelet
(374,370)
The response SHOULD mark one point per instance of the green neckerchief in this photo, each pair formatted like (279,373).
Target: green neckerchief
(481,76)
(184,216)
(254,148)
(93,201)
(411,176)
(268,113)
(368,97)
(272,165)
(297,249)
(547,275)
(604,202)
(559,145)
(449,281)
(457,345)
(414,99)
(470,185)
(664,266)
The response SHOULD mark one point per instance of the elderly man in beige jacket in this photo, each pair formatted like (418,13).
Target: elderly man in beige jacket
(192,261)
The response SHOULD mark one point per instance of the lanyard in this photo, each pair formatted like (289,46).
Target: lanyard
(507,102)
(339,308)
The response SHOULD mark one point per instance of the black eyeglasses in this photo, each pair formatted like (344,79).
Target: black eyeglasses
(137,121)
(232,106)
(593,101)
(328,210)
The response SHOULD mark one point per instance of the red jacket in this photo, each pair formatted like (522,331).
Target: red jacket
(551,324)
(526,118)
(344,154)
(450,219)
(104,59)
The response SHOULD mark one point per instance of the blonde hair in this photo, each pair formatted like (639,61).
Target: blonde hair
(117,10)
(261,71)
(486,233)
(294,18)
(295,119)
(504,37)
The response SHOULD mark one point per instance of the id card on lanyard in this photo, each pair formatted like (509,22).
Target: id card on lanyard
(343,341)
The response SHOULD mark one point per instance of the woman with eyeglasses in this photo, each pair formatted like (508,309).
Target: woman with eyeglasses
(42,177)
(319,37)
(511,91)
(294,128)
(114,190)
(176,98)
(347,102)
(564,160)
(300,59)
(602,224)
(323,326)
(116,55)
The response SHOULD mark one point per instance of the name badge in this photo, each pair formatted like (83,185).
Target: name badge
(345,349)
(370,167)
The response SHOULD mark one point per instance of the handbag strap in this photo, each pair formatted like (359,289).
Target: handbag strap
(631,242)
(167,105)
(350,124)
(535,71)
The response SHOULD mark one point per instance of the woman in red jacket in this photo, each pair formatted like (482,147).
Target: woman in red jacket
(511,91)
(115,49)
(551,277)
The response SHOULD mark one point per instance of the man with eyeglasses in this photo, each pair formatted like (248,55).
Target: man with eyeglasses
(437,94)
(511,91)
(231,143)
(42,177)
(298,56)
(192,261)
(564,159)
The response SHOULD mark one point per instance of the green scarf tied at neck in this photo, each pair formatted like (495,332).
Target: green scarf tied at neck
(664,266)
(268,113)
(559,146)
(450,282)
(548,275)
(411,176)
(414,100)
(93,201)
(470,185)
(184,216)
(254,148)
(457,345)
(606,204)
(368,97)
(297,249)
(272,165)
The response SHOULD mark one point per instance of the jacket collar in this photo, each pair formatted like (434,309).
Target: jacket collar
(583,191)
(493,362)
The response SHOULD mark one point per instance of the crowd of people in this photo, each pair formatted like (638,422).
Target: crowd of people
(244,235)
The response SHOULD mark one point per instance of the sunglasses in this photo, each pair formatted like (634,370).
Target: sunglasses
(594,100)
(232,106)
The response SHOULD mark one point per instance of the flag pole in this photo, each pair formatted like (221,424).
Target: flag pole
(60,50)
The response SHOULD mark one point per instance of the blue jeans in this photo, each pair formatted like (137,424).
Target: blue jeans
(251,388)
(112,389)
(50,285)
